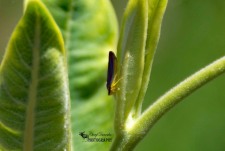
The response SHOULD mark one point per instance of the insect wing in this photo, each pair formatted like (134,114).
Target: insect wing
(112,69)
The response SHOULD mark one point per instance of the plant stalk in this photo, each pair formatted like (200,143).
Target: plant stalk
(146,121)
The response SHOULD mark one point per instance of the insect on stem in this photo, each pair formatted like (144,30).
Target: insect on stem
(112,74)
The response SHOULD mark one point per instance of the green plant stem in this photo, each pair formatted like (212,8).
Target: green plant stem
(144,123)
(117,143)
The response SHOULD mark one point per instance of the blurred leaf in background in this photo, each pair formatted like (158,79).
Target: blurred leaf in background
(90,32)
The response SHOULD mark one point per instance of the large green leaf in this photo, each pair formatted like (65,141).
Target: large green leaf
(34,97)
(90,31)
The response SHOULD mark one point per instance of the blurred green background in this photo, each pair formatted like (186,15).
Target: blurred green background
(192,36)
(10,12)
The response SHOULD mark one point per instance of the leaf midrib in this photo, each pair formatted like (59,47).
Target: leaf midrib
(30,113)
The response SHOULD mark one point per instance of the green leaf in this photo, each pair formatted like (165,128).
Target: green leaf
(34,97)
(156,10)
(90,31)
(131,50)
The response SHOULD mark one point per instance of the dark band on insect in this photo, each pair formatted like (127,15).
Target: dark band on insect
(111,75)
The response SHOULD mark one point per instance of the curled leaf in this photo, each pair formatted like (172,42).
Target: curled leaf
(131,50)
